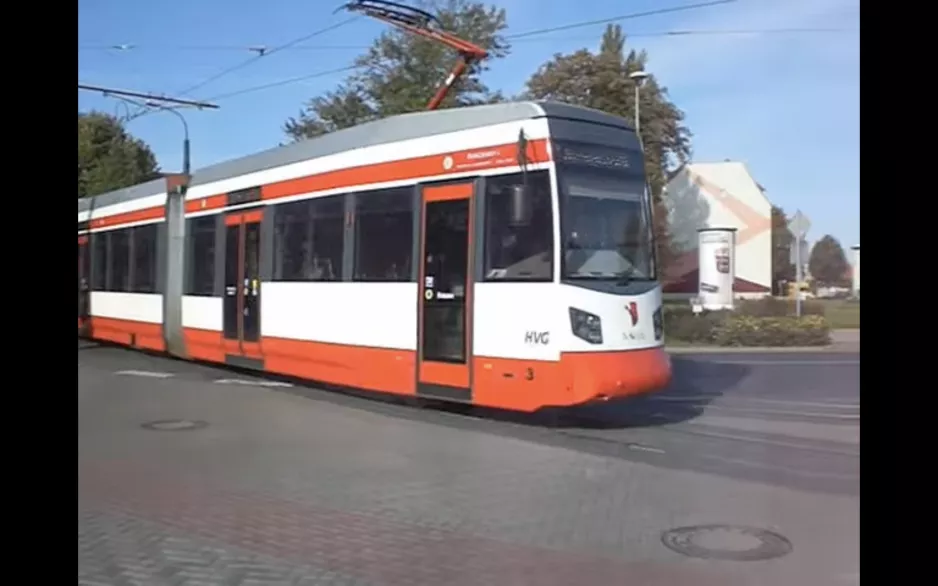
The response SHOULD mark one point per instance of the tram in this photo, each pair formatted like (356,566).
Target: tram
(498,255)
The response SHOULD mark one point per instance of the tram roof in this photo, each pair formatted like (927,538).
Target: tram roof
(386,130)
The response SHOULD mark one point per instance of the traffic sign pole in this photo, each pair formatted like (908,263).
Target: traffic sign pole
(798,226)
(798,275)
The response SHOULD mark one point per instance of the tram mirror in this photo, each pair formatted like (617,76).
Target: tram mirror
(520,205)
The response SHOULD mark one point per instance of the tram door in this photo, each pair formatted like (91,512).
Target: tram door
(241,323)
(445,288)
(84,282)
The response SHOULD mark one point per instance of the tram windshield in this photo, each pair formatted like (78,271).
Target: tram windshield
(605,218)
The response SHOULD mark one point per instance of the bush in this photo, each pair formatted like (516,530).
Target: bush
(744,330)
(680,323)
(777,307)
(734,328)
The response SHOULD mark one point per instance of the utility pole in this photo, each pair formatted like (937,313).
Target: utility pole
(176,188)
(107,91)
(160,103)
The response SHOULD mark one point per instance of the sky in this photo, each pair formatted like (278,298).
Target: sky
(787,104)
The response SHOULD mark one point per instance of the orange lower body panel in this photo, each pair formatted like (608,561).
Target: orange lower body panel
(521,385)
(130,333)
(577,378)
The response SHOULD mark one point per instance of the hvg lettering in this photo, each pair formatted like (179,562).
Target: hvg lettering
(532,337)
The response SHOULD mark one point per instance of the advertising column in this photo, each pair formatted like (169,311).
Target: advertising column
(717,264)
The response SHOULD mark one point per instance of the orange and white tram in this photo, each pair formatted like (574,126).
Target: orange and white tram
(499,255)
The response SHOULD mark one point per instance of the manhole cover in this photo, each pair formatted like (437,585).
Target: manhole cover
(174,425)
(726,542)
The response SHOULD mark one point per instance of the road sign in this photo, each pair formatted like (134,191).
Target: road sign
(799,224)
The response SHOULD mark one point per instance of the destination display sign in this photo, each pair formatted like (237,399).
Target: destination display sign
(597,156)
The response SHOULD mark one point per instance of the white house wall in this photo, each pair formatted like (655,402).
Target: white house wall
(720,195)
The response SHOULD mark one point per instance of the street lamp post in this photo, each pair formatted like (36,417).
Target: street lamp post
(638,77)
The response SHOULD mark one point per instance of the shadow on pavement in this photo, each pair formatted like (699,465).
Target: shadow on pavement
(696,383)
(89,345)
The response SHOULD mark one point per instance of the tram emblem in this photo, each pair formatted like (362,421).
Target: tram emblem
(632,308)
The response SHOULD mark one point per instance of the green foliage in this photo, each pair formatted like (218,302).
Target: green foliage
(400,72)
(783,270)
(828,263)
(744,330)
(739,328)
(108,157)
(682,325)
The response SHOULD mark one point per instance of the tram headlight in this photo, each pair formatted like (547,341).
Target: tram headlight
(658,320)
(586,326)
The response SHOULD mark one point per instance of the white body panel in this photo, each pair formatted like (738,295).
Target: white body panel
(202,313)
(378,315)
(384,315)
(141,307)
(613,310)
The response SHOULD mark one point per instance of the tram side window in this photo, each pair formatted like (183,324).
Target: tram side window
(201,261)
(119,261)
(518,252)
(384,235)
(144,247)
(308,240)
(292,233)
(99,262)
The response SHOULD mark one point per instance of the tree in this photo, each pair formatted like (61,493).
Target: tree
(401,72)
(828,263)
(783,269)
(601,81)
(108,157)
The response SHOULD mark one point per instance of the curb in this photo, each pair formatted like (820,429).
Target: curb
(760,349)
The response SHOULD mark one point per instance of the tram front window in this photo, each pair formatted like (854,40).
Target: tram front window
(605,227)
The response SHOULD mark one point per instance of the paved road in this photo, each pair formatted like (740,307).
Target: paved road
(290,485)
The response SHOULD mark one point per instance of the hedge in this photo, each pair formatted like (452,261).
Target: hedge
(744,327)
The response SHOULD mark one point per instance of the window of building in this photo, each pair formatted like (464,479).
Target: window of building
(201,262)
(308,239)
(518,252)
(99,261)
(119,261)
(384,235)
(144,247)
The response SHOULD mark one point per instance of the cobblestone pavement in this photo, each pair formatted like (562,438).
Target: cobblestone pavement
(285,489)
